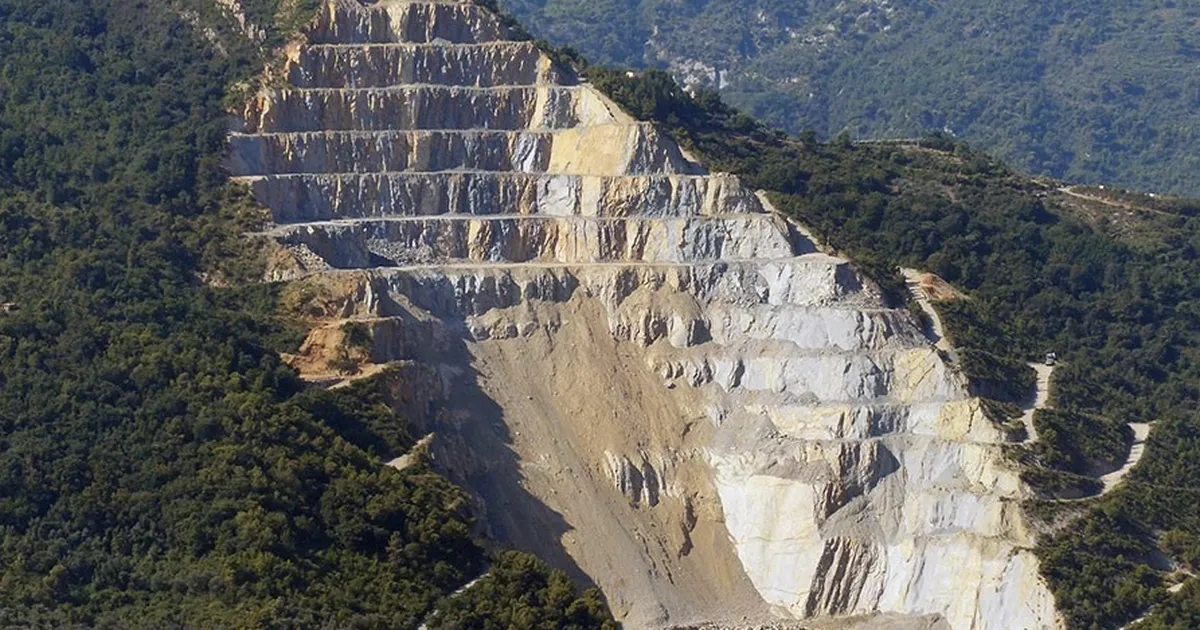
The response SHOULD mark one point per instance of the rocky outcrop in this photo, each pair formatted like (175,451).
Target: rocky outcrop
(648,377)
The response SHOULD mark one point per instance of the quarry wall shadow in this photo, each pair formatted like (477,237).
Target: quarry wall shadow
(473,446)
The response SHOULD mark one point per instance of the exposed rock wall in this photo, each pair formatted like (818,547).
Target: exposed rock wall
(379,66)
(394,242)
(650,379)
(314,197)
(351,22)
(426,107)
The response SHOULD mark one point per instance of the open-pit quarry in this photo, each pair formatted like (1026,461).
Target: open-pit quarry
(640,372)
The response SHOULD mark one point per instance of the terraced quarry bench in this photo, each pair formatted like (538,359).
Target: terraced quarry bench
(644,375)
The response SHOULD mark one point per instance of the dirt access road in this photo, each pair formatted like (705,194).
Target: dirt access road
(916,283)
(914,280)
(1039,400)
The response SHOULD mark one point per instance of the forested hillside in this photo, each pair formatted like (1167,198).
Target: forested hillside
(1113,287)
(1091,91)
(160,467)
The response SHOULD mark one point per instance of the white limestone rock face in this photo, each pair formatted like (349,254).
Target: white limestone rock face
(487,64)
(418,151)
(731,426)
(426,107)
(307,197)
(352,22)
(369,243)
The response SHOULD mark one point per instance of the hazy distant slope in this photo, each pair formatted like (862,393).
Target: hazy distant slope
(1090,91)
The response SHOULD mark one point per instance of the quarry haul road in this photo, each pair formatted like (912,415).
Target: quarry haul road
(1070,191)
(1141,431)
(1041,397)
(936,332)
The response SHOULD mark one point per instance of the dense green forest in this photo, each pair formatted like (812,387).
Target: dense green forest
(1120,305)
(1100,91)
(160,467)
(520,593)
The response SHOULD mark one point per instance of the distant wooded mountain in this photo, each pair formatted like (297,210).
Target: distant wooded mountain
(1091,91)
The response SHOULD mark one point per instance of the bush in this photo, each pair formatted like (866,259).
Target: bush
(518,593)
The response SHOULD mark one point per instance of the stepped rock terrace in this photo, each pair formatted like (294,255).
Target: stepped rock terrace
(646,376)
